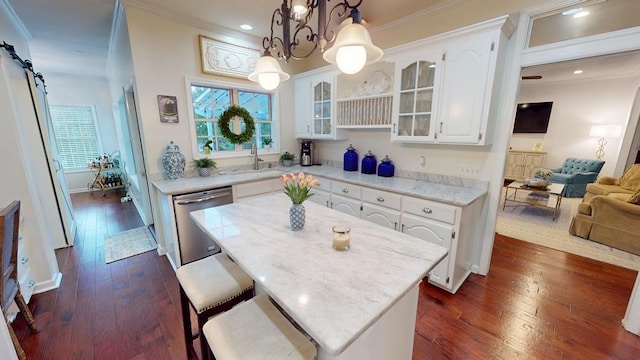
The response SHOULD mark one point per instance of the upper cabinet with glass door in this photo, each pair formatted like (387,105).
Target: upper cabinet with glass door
(417,86)
(315,114)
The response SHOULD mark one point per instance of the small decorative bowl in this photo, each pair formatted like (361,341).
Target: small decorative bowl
(536,182)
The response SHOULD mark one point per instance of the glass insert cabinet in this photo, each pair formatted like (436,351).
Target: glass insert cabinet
(414,114)
(322,108)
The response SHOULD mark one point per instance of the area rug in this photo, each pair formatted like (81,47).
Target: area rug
(128,243)
(535,225)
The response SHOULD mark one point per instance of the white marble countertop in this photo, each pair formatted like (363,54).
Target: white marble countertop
(334,296)
(454,194)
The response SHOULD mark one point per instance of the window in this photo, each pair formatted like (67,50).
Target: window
(74,128)
(208,104)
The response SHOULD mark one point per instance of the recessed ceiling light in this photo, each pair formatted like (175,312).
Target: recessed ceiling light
(581,14)
(246,27)
(571,12)
(578,72)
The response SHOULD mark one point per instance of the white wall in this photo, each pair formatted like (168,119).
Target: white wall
(161,68)
(576,106)
(85,91)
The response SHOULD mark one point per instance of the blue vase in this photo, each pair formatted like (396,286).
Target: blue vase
(369,163)
(350,159)
(296,216)
(386,167)
(173,162)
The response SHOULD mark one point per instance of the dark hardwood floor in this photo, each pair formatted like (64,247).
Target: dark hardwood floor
(536,303)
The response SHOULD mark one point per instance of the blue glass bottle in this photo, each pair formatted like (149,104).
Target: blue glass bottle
(386,167)
(350,159)
(369,163)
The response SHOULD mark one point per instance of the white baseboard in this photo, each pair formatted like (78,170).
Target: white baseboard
(51,284)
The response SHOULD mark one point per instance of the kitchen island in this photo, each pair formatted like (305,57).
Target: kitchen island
(355,304)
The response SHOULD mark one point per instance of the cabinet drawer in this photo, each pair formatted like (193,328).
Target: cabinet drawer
(382,198)
(430,210)
(345,189)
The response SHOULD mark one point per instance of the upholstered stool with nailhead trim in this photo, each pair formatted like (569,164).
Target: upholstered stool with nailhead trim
(257,330)
(210,286)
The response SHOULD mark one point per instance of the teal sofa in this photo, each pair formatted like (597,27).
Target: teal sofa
(575,174)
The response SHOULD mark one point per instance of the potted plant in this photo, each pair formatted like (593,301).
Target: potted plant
(207,147)
(267,143)
(286,158)
(203,165)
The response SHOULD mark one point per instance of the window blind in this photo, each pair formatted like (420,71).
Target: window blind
(74,128)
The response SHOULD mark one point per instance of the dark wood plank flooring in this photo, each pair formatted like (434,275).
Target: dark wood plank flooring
(536,303)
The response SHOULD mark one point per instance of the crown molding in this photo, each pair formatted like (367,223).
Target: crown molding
(16,20)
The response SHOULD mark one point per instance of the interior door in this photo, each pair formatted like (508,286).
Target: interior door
(135,168)
(56,173)
(61,188)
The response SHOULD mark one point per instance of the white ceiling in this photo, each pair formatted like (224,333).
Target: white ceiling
(72,36)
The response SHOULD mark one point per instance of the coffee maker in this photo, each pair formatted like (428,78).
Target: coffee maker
(306,153)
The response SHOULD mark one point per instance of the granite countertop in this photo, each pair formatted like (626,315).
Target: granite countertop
(334,296)
(450,190)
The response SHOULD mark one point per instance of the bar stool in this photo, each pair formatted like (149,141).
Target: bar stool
(210,286)
(256,330)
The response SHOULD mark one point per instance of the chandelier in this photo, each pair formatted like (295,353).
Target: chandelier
(352,47)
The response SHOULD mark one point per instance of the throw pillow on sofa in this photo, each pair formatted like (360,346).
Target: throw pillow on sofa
(635,198)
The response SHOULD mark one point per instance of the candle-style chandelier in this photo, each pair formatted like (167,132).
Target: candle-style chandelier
(352,47)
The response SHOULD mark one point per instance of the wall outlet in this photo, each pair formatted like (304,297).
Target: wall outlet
(468,170)
(422,162)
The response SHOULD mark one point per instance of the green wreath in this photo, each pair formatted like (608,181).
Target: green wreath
(249,126)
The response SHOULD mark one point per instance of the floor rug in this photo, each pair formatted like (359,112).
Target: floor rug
(535,225)
(128,243)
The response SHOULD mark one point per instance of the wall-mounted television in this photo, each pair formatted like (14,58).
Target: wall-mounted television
(532,118)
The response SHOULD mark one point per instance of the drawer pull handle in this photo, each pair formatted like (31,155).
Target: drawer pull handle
(31,283)
(427,210)
(380,198)
(345,190)
(24,260)
(211,248)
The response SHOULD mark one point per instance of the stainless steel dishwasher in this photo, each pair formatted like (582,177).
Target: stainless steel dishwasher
(194,243)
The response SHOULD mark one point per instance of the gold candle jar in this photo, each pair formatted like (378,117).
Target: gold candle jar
(341,237)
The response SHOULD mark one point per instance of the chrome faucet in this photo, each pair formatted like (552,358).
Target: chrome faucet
(256,159)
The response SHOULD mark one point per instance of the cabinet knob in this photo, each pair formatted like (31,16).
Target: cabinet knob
(380,198)
(31,283)
(345,190)
(24,260)
(427,210)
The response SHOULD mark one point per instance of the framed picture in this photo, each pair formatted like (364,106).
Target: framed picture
(226,59)
(168,108)
(537,146)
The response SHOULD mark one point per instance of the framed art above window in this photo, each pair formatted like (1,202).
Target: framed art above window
(226,59)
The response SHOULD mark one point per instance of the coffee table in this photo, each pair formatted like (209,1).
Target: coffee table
(520,194)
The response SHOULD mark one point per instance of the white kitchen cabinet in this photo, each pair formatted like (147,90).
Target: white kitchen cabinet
(346,189)
(522,164)
(468,77)
(364,100)
(380,215)
(321,197)
(435,233)
(244,191)
(381,207)
(346,205)
(453,227)
(417,85)
(315,106)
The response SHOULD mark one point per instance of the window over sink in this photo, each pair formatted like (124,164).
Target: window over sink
(210,99)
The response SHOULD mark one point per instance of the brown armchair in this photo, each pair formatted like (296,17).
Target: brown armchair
(9,286)
(610,213)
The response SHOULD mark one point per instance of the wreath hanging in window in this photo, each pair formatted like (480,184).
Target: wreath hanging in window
(224,124)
